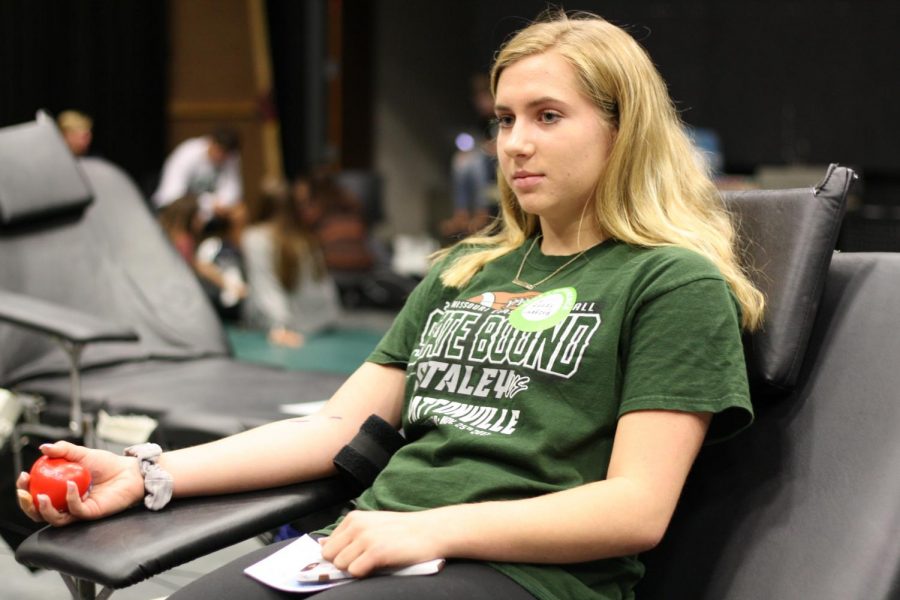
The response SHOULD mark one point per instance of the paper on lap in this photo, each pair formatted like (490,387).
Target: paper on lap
(281,569)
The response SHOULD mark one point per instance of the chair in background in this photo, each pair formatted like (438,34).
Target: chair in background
(377,285)
(85,267)
(799,506)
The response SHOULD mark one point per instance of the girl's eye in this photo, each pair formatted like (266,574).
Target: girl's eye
(504,121)
(548,116)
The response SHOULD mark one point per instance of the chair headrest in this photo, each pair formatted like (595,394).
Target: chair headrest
(40,177)
(788,238)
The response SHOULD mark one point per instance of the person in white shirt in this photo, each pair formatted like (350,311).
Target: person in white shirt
(208,167)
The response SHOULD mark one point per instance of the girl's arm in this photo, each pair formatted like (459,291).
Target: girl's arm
(626,513)
(291,450)
(268,456)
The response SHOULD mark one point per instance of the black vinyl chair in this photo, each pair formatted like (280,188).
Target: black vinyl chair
(800,506)
(804,504)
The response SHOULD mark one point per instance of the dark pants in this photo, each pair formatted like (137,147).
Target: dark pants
(457,581)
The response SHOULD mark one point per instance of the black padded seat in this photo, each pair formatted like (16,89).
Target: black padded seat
(197,400)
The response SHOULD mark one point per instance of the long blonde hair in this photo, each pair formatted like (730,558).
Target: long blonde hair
(653,190)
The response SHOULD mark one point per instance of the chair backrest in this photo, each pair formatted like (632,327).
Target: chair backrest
(804,503)
(107,257)
(788,238)
(26,193)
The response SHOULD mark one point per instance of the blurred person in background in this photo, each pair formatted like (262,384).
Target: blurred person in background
(179,222)
(219,262)
(77,130)
(474,165)
(290,292)
(208,167)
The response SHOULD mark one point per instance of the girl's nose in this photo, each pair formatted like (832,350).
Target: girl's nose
(516,141)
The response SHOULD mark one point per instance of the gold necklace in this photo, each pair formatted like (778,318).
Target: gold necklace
(530,286)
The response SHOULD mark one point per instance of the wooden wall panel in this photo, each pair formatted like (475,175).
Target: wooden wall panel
(212,79)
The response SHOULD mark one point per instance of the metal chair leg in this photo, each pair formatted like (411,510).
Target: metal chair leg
(76,416)
(82,589)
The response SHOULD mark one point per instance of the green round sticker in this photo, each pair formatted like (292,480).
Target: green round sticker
(544,311)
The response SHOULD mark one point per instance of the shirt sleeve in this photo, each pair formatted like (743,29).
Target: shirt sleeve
(397,345)
(173,183)
(208,249)
(683,352)
(229,188)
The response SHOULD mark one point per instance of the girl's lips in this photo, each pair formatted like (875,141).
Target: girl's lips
(526,181)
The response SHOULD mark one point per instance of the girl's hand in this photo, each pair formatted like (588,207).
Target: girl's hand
(117,483)
(370,540)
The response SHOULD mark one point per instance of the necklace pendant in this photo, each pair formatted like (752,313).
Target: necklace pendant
(523,284)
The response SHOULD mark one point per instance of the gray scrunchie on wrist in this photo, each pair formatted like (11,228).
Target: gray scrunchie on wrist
(158,483)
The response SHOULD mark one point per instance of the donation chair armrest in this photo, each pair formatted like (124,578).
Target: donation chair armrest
(137,544)
(61,321)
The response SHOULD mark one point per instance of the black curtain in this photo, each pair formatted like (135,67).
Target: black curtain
(802,81)
(105,58)
(288,37)
(298,38)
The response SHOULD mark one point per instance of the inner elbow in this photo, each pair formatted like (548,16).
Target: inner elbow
(650,532)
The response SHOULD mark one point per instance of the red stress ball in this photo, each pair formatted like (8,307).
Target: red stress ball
(49,476)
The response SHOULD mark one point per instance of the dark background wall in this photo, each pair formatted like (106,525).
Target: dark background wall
(298,31)
(105,58)
(783,82)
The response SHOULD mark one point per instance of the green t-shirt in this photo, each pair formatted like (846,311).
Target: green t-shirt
(494,412)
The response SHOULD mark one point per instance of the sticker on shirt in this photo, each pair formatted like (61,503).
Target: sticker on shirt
(544,311)
(502,301)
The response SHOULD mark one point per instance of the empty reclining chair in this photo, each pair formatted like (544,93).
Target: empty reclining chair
(802,505)
(97,309)
(94,248)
